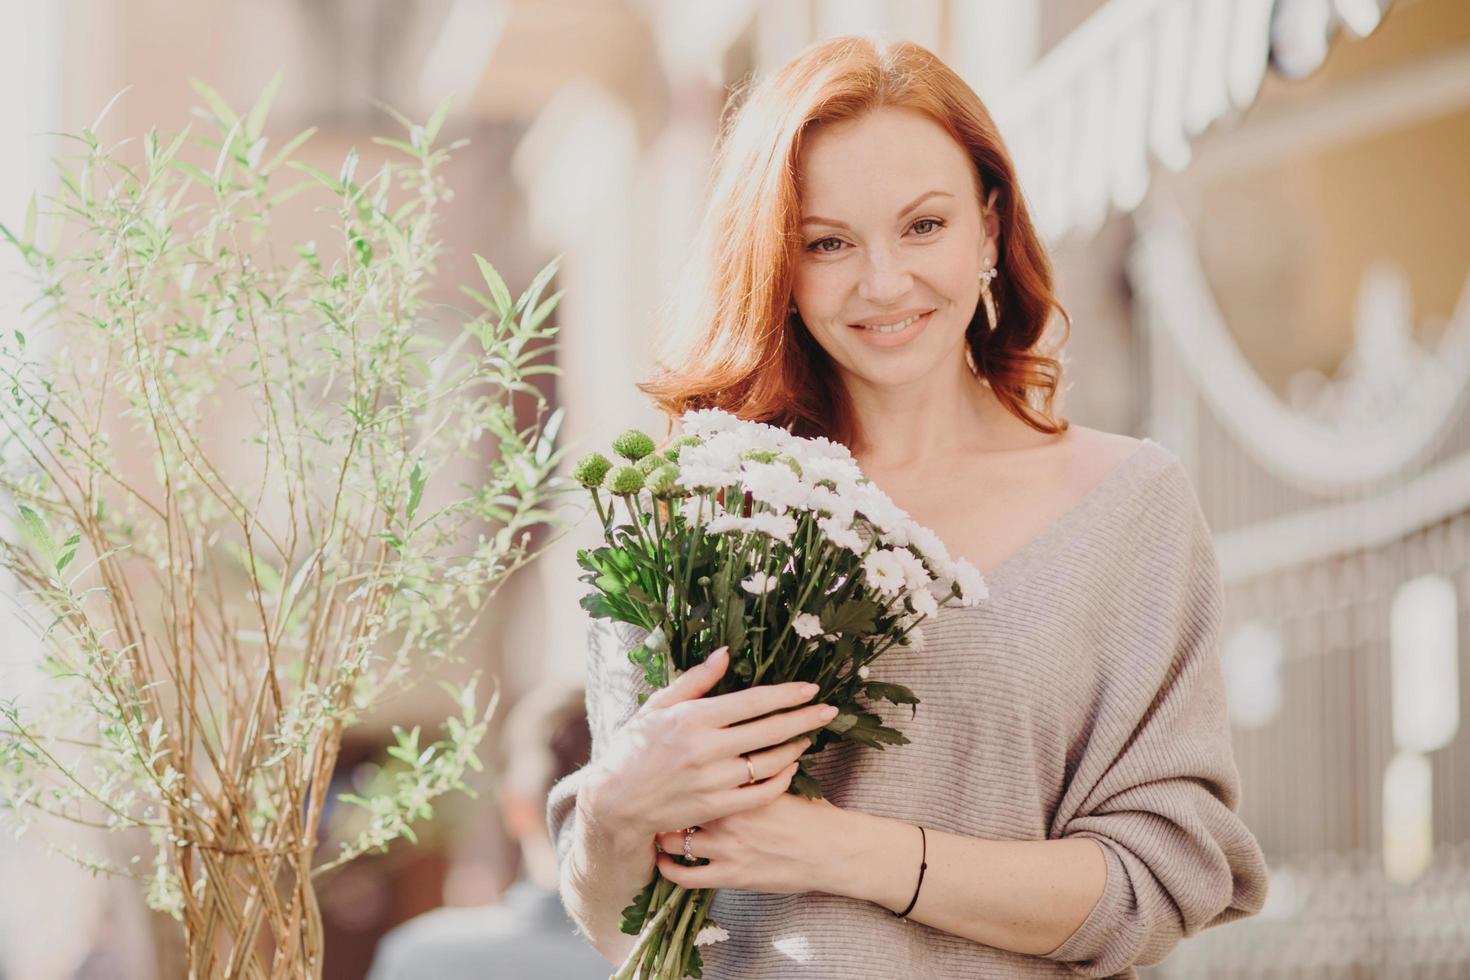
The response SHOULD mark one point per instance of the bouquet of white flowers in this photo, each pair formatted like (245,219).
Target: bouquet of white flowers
(741,535)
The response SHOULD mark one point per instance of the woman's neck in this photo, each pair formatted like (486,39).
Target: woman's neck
(932,422)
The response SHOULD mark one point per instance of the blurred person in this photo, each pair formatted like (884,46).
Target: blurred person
(527,934)
(1067,802)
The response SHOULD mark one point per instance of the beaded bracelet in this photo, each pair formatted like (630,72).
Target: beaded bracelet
(923,863)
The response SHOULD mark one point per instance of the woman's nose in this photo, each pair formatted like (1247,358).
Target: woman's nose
(884,279)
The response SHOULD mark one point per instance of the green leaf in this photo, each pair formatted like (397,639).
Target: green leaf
(497,286)
(223,113)
(868,729)
(68,551)
(255,122)
(288,149)
(529,298)
(635,914)
(28,237)
(415,490)
(806,785)
(322,177)
(855,616)
(107,109)
(193,172)
(431,128)
(36,534)
(396,144)
(544,310)
(894,693)
(349,168)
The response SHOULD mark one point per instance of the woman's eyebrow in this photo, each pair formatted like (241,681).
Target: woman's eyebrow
(812,219)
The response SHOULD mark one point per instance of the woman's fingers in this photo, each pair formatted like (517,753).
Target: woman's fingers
(773,729)
(769,762)
(693,683)
(738,706)
(757,794)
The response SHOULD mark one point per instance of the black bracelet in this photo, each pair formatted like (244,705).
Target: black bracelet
(923,863)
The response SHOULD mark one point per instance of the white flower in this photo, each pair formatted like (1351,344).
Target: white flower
(916,638)
(929,545)
(705,422)
(875,505)
(916,576)
(820,447)
(840,534)
(832,503)
(842,472)
(714,463)
(759,435)
(710,935)
(972,584)
(924,602)
(778,526)
(863,671)
(721,523)
(883,572)
(705,477)
(807,625)
(775,485)
(759,583)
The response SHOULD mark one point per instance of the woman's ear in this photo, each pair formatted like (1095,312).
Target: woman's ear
(991,218)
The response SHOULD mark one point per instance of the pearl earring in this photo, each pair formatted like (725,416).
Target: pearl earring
(987,276)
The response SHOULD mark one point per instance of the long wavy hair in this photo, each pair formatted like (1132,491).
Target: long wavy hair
(727,337)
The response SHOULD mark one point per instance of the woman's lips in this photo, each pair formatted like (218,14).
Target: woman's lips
(879,339)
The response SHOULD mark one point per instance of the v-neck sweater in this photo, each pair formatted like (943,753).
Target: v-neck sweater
(1083,698)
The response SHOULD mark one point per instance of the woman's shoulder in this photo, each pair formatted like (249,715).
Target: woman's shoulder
(1091,454)
(1147,481)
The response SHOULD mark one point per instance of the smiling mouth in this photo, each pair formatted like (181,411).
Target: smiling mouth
(893,328)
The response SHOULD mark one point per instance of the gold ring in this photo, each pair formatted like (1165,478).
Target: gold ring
(750,768)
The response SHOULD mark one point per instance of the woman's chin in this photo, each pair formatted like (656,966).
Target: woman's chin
(902,373)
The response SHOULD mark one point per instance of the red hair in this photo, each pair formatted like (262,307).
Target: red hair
(741,352)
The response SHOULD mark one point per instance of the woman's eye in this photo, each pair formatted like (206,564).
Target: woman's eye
(818,245)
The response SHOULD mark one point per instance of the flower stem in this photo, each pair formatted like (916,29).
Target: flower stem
(652,926)
(673,962)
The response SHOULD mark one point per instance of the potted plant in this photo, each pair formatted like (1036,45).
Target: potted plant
(252,492)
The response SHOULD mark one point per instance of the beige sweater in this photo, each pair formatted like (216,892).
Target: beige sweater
(1084,698)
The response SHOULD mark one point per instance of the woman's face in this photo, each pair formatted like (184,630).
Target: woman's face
(891,228)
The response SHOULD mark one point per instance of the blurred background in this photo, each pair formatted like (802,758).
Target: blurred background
(1259,212)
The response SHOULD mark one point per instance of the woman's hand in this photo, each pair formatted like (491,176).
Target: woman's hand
(677,763)
(781,847)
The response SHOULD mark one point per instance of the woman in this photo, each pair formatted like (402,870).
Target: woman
(1067,803)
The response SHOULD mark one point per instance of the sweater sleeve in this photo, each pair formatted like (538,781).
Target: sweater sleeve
(613,685)
(1156,785)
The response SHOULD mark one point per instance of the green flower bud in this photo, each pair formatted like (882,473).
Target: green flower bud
(649,463)
(633,444)
(672,453)
(623,480)
(591,469)
(759,455)
(664,483)
(790,461)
